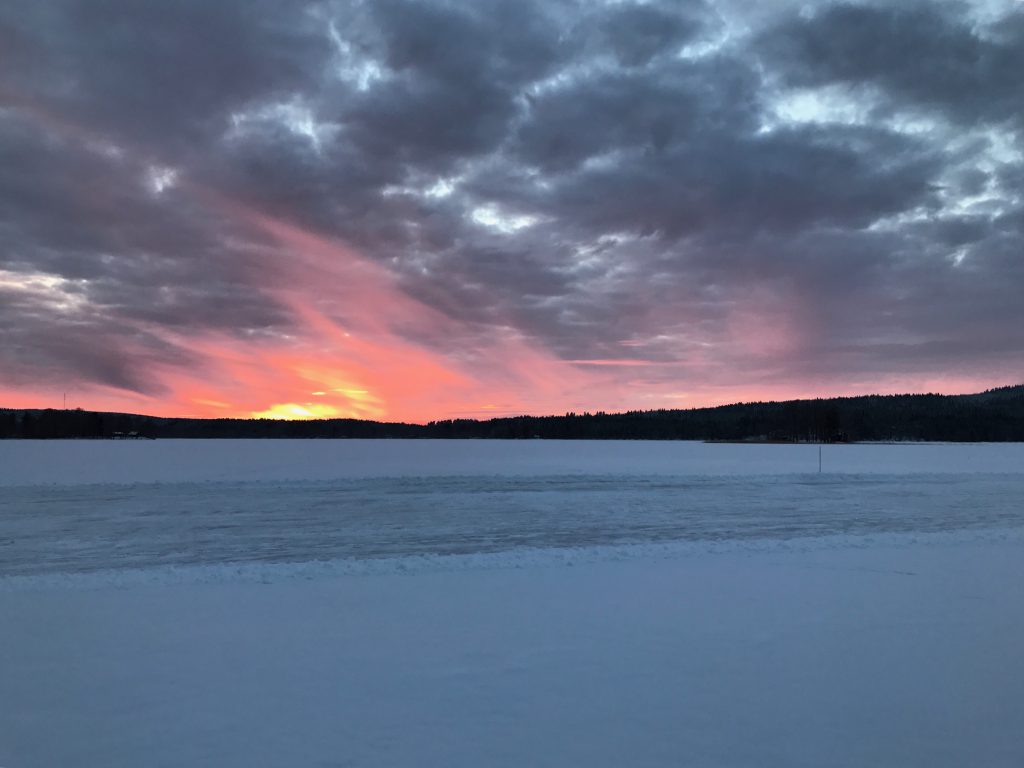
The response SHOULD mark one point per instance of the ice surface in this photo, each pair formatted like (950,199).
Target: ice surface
(48,529)
(98,461)
(247,604)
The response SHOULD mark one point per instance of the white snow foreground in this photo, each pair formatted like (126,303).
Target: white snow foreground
(268,604)
(896,650)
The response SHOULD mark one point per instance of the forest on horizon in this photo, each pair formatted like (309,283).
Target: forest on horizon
(996,415)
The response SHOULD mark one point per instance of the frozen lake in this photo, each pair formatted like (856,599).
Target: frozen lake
(76,506)
(73,462)
(392,603)
(55,529)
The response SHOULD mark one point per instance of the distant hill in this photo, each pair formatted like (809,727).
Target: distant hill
(994,415)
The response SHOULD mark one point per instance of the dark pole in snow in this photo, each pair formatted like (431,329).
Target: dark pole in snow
(819,459)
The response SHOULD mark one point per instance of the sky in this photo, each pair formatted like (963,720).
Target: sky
(422,209)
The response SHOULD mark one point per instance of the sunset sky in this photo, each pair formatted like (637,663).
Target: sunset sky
(423,210)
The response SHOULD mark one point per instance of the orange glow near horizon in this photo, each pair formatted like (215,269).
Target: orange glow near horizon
(293,411)
(281,396)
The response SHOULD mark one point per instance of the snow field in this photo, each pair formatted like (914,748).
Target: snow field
(264,604)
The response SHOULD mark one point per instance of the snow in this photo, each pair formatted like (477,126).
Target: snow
(890,655)
(183,603)
(90,527)
(70,462)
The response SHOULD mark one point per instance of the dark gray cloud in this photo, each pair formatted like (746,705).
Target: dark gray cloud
(154,72)
(928,55)
(625,180)
(669,105)
(637,33)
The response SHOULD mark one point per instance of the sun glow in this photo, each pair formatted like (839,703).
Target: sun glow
(297,411)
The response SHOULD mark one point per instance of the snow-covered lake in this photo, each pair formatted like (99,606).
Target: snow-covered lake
(464,603)
(74,462)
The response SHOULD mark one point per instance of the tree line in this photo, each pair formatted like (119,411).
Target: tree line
(995,415)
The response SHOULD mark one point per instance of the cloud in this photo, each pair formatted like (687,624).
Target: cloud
(929,56)
(523,206)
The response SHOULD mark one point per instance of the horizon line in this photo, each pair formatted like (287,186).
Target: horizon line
(513,415)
